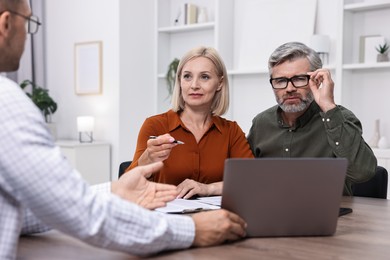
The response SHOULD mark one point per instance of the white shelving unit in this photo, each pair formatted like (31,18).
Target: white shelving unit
(365,83)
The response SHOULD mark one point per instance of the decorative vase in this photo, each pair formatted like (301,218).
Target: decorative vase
(202,16)
(382,144)
(376,136)
(382,57)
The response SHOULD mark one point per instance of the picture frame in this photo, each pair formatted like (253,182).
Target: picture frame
(88,68)
(367,51)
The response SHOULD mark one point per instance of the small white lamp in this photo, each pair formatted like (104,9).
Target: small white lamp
(321,44)
(85,125)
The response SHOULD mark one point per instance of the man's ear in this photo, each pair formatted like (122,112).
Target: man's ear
(5,23)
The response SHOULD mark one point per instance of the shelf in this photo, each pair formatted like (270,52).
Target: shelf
(359,7)
(187,28)
(362,66)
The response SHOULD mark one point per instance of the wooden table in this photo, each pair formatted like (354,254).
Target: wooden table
(363,234)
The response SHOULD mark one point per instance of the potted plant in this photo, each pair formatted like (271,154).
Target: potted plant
(41,99)
(382,52)
(171,75)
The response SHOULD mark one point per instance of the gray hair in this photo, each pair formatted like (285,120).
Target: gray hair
(291,51)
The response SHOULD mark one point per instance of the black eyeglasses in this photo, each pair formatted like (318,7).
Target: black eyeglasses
(32,24)
(298,81)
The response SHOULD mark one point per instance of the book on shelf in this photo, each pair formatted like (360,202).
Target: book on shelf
(191,14)
(181,15)
(187,14)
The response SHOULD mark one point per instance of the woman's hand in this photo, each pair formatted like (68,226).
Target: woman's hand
(189,188)
(158,149)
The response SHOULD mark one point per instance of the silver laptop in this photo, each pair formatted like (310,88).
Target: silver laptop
(285,197)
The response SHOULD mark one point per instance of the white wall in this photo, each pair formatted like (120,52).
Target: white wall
(126,29)
(136,100)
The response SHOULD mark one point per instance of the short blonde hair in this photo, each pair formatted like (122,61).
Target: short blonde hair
(221,99)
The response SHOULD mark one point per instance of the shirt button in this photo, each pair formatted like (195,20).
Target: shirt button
(323,119)
(286,149)
(337,143)
(328,119)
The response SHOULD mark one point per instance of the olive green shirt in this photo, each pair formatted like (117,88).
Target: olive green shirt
(336,133)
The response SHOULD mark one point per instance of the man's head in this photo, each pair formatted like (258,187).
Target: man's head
(14,15)
(288,66)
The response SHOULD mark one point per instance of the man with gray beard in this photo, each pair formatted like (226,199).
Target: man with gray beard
(307,122)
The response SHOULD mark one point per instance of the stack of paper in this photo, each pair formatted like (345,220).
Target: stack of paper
(191,206)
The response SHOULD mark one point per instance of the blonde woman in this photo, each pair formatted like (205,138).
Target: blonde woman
(192,139)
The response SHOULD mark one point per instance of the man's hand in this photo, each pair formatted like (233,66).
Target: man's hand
(133,186)
(217,226)
(189,188)
(322,87)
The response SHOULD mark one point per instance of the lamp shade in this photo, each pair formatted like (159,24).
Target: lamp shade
(85,123)
(320,43)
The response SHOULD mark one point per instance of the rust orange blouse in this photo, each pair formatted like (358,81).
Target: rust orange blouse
(203,161)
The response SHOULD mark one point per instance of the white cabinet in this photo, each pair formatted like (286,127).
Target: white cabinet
(383,157)
(175,40)
(366,85)
(92,160)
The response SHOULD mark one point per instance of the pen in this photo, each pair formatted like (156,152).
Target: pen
(191,210)
(175,141)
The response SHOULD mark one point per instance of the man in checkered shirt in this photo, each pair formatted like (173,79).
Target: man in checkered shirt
(39,189)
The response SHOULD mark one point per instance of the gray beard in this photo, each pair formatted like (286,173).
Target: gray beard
(299,107)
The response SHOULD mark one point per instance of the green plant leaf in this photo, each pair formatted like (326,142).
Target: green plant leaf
(382,48)
(171,75)
(41,98)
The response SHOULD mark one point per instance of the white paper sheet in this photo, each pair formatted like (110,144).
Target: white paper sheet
(191,206)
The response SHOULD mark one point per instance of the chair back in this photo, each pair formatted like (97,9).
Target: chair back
(376,187)
(122,167)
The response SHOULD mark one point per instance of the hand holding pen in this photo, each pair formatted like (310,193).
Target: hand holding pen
(174,141)
(158,148)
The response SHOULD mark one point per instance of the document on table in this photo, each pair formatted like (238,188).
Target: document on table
(192,206)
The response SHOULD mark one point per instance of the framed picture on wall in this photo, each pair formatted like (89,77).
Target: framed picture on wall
(88,68)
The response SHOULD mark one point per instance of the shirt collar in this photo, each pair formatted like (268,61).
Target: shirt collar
(174,121)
